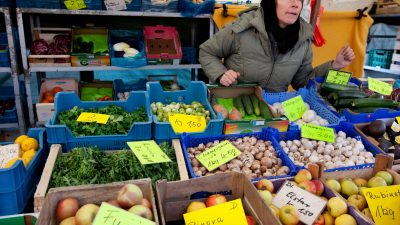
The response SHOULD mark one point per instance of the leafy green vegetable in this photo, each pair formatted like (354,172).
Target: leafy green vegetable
(120,121)
(93,166)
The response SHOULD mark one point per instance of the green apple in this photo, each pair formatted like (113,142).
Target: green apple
(266,196)
(358,201)
(334,185)
(349,188)
(376,182)
(336,206)
(386,176)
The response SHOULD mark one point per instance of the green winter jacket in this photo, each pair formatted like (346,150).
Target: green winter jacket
(245,47)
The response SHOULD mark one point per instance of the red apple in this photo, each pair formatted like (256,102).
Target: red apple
(265,184)
(320,220)
(86,214)
(308,186)
(215,200)
(66,207)
(129,195)
(302,175)
(319,187)
(250,220)
(141,211)
(114,203)
(146,203)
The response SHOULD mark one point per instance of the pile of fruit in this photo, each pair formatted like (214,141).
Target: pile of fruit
(28,147)
(48,96)
(346,151)
(258,159)
(336,209)
(195,108)
(129,197)
(352,189)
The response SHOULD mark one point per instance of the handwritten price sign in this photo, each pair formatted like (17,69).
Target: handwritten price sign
(379,86)
(294,108)
(93,117)
(148,152)
(111,215)
(218,155)
(187,123)
(318,132)
(384,204)
(75,4)
(228,213)
(338,77)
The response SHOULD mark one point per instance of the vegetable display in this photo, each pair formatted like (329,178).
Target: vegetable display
(59,45)
(92,166)
(309,116)
(195,108)
(120,121)
(258,159)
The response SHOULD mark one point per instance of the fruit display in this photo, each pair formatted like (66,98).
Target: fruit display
(346,151)
(28,148)
(130,197)
(336,212)
(48,96)
(258,159)
(195,108)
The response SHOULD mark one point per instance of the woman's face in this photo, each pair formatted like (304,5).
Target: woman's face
(288,11)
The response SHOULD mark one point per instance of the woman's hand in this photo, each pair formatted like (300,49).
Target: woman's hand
(343,58)
(229,77)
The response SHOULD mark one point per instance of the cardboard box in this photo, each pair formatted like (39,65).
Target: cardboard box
(388,7)
(242,126)
(97,89)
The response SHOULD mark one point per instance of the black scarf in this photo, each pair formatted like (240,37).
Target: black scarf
(286,38)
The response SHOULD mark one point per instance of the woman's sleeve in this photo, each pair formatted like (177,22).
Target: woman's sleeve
(220,46)
(306,72)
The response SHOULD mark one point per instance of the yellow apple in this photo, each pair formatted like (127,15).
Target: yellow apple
(386,176)
(345,219)
(376,182)
(349,188)
(329,220)
(336,206)
(265,184)
(194,206)
(68,221)
(266,196)
(275,210)
(360,182)
(358,201)
(129,195)
(302,175)
(141,211)
(86,214)
(289,215)
(334,184)
(367,213)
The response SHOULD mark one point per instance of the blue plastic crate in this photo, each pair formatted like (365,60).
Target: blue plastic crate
(320,108)
(9,116)
(190,9)
(135,39)
(17,183)
(169,6)
(190,141)
(120,86)
(61,134)
(196,91)
(4,54)
(47,4)
(295,133)
(90,4)
(189,55)
(5,3)
(135,5)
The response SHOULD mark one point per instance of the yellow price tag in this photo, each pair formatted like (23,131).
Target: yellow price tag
(227,213)
(187,123)
(75,4)
(318,133)
(294,108)
(379,86)
(111,215)
(384,204)
(148,152)
(218,155)
(397,139)
(398,119)
(338,77)
(395,127)
(93,117)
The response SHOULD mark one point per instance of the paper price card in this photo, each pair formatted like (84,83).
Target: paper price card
(75,4)
(93,117)
(338,77)
(148,152)
(187,123)
(228,213)
(294,108)
(309,205)
(115,5)
(379,86)
(111,215)
(395,126)
(218,155)
(384,204)
(318,132)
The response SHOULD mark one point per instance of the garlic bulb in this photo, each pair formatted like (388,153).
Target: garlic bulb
(120,46)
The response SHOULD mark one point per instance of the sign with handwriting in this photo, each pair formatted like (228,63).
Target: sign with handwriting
(379,86)
(338,77)
(384,204)
(187,123)
(8,152)
(93,117)
(111,215)
(218,155)
(316,132)
(228,213)
(148,152)
(294,108)
(75,4)
(115,5)
(309,205)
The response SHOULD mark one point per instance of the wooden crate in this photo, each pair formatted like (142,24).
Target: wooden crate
(174,197)
(55,151)
(95,194)
(388,7)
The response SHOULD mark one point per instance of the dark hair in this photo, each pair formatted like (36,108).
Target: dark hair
(286,37)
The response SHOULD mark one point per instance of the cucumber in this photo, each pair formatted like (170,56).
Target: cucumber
(327,88)
(247,104)
(374,102)
(237,102)
(256,104)
(265,112)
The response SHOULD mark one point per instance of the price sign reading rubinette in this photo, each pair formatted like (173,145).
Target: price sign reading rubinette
(187,123)
(318,132)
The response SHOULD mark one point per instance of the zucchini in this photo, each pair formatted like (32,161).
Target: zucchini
(237,102)
(256,104)
(328,88)
(377,95)
(368,109)
(348,94)
(374,102)
(343,103)
(265,112)
(247,104)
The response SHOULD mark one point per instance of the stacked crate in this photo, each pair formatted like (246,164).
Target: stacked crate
(396,55)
